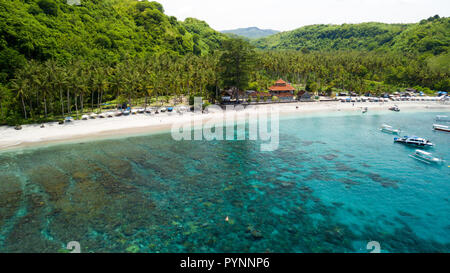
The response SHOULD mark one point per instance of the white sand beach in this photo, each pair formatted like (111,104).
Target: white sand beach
(33,135)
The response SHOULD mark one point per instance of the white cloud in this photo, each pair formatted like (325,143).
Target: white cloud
(291,14)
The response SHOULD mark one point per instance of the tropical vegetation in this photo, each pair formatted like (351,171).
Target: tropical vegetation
(58,59)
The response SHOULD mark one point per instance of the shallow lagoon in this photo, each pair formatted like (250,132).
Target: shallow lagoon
(334,184)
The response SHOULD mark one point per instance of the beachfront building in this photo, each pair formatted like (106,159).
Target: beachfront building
(304,96)
(263,96)
(233,95)
(282,90)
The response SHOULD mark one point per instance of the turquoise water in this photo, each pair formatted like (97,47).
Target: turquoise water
(335,184)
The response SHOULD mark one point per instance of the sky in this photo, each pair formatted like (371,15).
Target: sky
(291,14)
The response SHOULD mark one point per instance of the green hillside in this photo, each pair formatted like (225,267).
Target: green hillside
(58,59)
(428,36)
(107,30)
(251,32)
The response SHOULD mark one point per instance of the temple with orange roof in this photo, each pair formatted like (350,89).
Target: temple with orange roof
(282,90)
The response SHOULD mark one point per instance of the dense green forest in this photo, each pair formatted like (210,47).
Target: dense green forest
(109,31)
(429,36)
(58,59)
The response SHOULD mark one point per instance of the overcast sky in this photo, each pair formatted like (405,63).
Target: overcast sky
(291,14)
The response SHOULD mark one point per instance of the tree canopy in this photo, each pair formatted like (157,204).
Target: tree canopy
(236,63)
(58,59)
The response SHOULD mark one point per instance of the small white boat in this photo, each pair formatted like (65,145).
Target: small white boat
(442,128)
(140,110)
(93,116)
(426,157)
(68,119)
(163,109)
(395,108)
(126,112)
(84,117)
(443,118)
(118,113)
(389,129)
(364,110)
(102,115)
(110,114)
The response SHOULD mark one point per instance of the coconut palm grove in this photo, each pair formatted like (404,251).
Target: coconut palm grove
(58,58)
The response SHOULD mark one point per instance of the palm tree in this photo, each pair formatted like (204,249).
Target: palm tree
(3,96)
(21,84)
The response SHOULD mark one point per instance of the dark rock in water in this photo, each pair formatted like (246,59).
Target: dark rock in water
(341,167)
(337,204)
(10,197)
(18,127)
(404,213)
(385,182)
(60,122)
(348,182)
(256,234)
(329,157)
(307,143)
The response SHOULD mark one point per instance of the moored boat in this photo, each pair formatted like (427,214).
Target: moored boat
(389,129)
(109,114)
(426,157)
(118,113)
(134,111)
(443,118)
(442,128)
(93,116)
(395,108)
(141,110)
(102,115)
(126,112)
(84,117)
(68,119)
(414,141)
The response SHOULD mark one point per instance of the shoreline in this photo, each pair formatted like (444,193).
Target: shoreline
(32,136)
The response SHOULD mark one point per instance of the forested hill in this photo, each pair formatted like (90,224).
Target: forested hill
(429,36)
(107,30)
(251,32)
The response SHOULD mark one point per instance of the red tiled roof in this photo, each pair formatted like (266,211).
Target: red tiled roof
(280,81)
(281,85)
(281,88)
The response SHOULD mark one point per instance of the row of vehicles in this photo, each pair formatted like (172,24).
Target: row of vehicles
(129,111)
(364,99)
(381,99)
(419,142)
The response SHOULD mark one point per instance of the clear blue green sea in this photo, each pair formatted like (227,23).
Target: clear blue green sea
(335,183)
